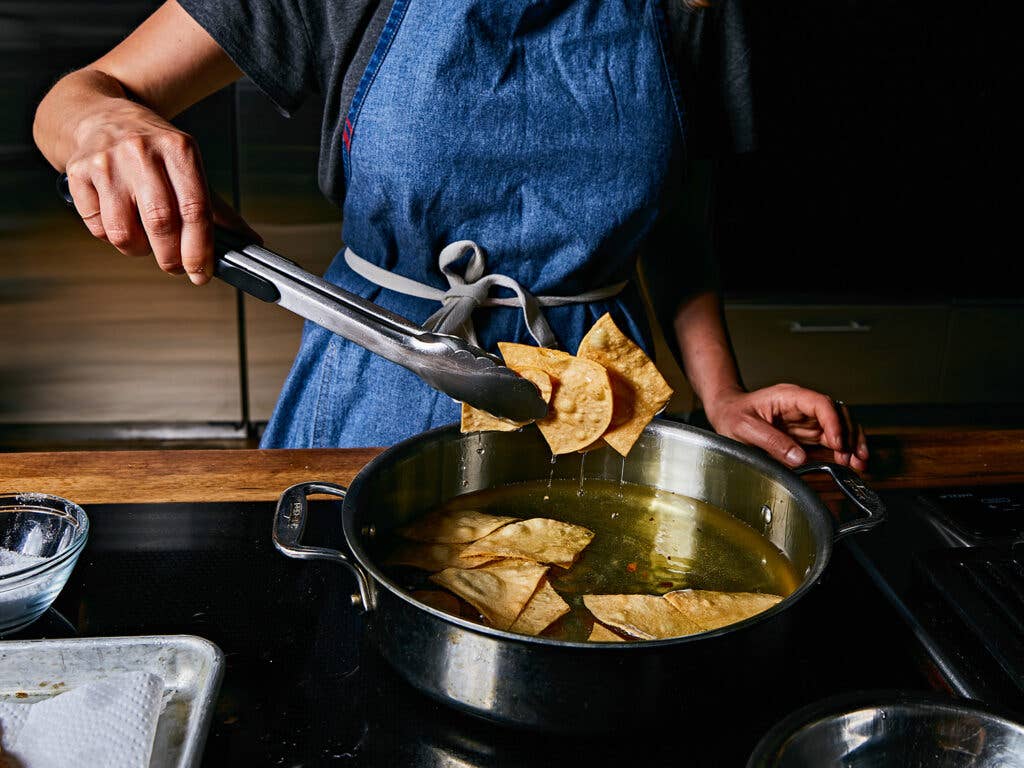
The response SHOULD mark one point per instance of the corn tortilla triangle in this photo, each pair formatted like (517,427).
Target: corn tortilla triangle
(453,526)
(499,590)
(538,539)
(544,607)
(712,610)
(647,617)
(639,390)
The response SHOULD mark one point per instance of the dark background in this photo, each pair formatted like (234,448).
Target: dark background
(889,152)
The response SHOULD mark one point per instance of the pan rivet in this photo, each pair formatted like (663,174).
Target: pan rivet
(766,513)
(357,601)
(369,530)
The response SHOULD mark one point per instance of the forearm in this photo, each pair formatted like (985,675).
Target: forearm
(707,356)
(160,69)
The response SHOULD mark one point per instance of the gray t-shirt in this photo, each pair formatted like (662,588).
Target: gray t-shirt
(292,49)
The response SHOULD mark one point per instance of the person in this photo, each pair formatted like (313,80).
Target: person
(553,144)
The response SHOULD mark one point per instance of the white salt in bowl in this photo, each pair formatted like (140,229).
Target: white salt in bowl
(41,537)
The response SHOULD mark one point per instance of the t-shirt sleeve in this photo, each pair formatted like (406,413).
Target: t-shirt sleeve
(713,61)
(268,40)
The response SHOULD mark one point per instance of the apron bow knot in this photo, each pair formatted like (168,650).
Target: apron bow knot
(472,289)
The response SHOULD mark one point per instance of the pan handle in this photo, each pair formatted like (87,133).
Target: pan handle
(289,524)
(856,491)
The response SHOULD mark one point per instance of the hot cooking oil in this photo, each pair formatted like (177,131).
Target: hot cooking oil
(646,541)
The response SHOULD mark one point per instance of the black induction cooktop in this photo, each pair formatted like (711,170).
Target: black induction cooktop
(951,563)
(303,688)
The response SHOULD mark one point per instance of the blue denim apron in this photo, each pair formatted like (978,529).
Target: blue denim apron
(543,132)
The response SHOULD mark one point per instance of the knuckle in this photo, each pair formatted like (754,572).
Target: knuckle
(169,263)
(77,170)
(179,145)
(159,220)
(95,228)
(194,211)
(99,164)
(135,145)
(118,236)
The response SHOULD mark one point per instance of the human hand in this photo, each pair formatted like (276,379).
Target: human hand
(138,183)
(779,417)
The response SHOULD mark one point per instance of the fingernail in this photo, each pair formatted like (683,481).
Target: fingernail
(844,458)
(795,456)
(198,276)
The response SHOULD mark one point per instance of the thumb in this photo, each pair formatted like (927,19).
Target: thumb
(779,445)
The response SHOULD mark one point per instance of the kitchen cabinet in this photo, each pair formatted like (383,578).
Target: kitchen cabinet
(89,335)
(277,162)
(866,354)
(948,353)
(984,361)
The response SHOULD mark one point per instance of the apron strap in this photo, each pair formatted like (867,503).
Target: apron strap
(472,289)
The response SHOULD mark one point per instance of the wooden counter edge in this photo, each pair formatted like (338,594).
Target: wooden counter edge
(899,460)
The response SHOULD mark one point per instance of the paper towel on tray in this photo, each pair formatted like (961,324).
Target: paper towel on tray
(109,723)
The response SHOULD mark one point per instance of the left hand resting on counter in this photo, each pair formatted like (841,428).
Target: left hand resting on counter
(779,417)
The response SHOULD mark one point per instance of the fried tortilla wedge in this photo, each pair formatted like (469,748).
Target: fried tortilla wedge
(500,591)
(538,539)
(601,634)
(581,407)
(639,390)
(647,617)
(453,526)
(544,608)
(475,420)
(581,403)
(433,557)
(712,610)
(522,357)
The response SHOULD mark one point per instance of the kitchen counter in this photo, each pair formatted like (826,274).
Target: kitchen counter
(180,544)
(901,458)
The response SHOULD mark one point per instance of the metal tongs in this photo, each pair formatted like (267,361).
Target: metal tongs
(447,363)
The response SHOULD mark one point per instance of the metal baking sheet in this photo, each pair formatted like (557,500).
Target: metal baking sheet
(191,668)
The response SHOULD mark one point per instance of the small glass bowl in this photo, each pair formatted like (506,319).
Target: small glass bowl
(41,537)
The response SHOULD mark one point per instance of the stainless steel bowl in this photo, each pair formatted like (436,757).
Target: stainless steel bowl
(545,683)
(882,729)
(41,538)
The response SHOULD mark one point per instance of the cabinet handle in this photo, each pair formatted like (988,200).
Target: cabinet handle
(850,326)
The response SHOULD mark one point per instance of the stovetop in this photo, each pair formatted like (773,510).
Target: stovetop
(303,688)
(951,563)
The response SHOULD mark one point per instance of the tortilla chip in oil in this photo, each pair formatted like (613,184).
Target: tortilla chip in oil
(647,617)
(433,557)
(601,634)
(499,590)
(639,389)
(544,608)
(475,420)
(435,598)
(712,610)
(453,526)
(538,539)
